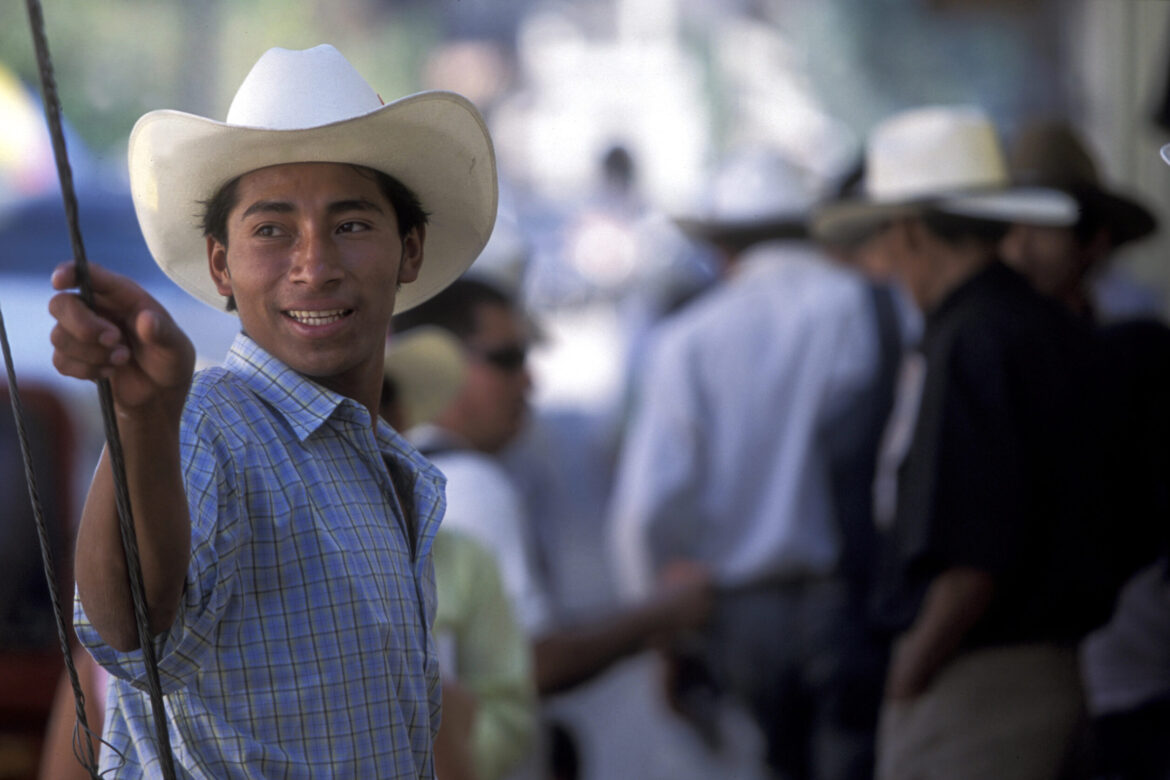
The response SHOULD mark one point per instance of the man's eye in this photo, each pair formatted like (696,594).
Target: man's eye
(267,231)
(352,227)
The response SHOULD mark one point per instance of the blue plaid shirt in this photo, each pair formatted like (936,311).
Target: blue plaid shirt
(303,647)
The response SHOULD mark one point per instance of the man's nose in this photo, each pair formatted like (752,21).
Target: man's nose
(315,260)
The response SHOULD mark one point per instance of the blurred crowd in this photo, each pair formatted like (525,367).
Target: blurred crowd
(870,481)
(879,491)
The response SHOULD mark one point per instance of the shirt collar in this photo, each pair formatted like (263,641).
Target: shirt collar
(304,404)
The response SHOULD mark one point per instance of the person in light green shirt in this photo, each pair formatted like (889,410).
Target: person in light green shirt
(484,652)
(489,692)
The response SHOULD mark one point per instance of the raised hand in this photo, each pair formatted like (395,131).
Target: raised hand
(128,338)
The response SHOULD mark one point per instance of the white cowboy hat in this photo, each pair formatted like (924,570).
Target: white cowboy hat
(947,158)
(756,194)
(427,367)
(313,106)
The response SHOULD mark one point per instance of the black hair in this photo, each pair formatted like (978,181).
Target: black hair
(408,210)
(454,308)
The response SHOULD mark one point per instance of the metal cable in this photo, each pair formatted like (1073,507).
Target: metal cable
(88,759)
(113,441)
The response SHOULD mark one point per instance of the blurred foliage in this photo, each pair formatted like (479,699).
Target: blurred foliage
(117,59)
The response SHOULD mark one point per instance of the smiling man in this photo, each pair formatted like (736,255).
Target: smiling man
(284,532)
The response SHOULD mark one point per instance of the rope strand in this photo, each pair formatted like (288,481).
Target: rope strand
(89,760)
(117,462)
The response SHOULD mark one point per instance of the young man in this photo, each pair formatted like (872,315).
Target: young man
(988,578)
(284,532)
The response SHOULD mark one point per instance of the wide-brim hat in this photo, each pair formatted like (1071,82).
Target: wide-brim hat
(945,158)
(313,106)
(756,195)
(427,367)
(1052,154)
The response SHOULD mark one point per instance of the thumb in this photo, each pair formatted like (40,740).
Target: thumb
(166,353)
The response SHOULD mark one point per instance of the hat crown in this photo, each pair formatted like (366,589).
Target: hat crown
(1053,154)
(293,90)
(757,185)
(932,151)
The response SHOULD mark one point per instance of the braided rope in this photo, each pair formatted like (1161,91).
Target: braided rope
(114,444)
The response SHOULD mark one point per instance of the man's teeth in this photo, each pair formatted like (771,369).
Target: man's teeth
(317,317)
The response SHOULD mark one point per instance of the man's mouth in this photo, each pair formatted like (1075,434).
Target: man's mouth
(323,317)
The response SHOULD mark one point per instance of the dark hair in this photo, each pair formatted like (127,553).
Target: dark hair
(956,228)
(454,309)
(408,210)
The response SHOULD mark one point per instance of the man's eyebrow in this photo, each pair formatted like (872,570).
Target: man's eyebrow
(354,204)
(336,207)
(270,206)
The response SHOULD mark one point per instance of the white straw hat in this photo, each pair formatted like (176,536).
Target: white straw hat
(947,158)
(313,106)
(756,194)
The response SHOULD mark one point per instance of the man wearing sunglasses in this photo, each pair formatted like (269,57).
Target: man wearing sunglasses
(463,440)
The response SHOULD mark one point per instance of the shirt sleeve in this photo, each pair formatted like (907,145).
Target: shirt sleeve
(482,502)
(217,535)
(981,493)
(654,506)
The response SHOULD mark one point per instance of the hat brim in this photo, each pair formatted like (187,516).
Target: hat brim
(853,219)
(743,232)
(435,143)
(1126,219)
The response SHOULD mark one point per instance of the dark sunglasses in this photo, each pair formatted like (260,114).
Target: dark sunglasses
(510,358)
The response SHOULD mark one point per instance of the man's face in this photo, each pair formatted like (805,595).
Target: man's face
(1049,257)
(313,260)
(891,252)
(493,403)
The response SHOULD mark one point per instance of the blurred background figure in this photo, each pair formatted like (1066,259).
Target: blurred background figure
(1126,663)
(464,438)
(727,463)
(995,524)
(1073,263)
(489,696)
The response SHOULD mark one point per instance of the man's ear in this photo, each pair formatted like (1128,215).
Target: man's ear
(412,254)
(217,265)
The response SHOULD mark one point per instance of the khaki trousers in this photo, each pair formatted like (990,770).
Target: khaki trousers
(1003,713)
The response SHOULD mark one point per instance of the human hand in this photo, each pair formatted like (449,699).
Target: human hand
(454,758)
(686,596)
(128,338)
(907,676)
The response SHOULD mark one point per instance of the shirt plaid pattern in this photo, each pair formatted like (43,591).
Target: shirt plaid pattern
(302,648)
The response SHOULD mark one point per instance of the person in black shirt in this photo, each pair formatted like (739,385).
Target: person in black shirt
(984,579)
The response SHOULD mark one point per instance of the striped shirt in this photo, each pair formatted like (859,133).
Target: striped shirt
(302,647)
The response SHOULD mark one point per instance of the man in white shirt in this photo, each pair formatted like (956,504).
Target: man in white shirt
(727,462)
(464,441)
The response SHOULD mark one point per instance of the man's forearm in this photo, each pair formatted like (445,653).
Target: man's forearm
(954,602)
(162,527)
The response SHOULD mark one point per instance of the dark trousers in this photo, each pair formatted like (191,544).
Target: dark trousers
(801,658)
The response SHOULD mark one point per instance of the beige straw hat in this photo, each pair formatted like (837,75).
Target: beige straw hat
(313,106)
(947,158)
(427,367)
